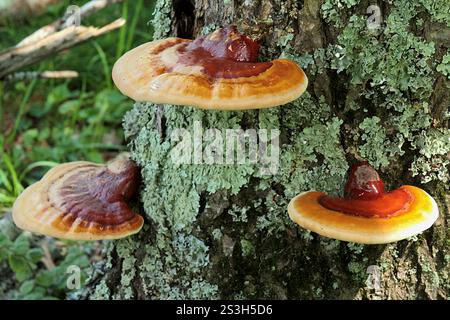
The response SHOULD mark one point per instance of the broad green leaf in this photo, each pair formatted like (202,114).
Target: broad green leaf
(69,106)
(21,245)
(3,253)
(26,287)
(34,255)
(45,278)
(20,267)
(4,240)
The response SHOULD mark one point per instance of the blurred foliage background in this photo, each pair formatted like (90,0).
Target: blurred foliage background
(46,122)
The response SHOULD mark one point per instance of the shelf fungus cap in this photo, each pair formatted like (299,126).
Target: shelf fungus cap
(81,201)
(367,213)
(216,71)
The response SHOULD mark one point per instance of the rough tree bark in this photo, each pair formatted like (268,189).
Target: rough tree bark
(222,231)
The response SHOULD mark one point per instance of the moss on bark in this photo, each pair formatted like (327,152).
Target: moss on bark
(222,231)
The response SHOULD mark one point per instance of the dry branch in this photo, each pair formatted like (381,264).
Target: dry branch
(18,57)
(30,75)
(66,21)
(55,37)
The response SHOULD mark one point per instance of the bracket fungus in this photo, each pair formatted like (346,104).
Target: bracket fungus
(216,71)
(367,213)
(81,201)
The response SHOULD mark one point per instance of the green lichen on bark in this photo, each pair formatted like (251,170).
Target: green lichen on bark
(125,249)
(438,9)
(444,66)
(394,78)
(371,95)
(172,193)
(162,19)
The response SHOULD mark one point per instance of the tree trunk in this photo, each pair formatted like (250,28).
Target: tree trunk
(378,92)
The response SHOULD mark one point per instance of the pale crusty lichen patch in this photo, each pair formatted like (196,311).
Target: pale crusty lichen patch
(381,110)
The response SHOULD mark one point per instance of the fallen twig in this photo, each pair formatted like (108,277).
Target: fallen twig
(18,57)
(66,21)
(30,75)
(55,37)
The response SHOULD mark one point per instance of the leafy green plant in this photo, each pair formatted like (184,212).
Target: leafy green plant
(11,181)
(21,258)
(52,284)
(24,258)
(46,122)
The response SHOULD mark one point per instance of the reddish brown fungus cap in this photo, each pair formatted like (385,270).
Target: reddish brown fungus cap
(217,71)
(81,201)
(367,213)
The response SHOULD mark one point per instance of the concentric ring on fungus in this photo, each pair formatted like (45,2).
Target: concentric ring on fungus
(81,201)
(217,71)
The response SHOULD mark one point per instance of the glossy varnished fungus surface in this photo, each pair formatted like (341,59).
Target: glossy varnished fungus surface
(81,201)
(413,218)
(386,205)
(366,213)
(217,71)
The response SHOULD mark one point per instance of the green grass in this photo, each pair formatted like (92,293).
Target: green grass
(66,120)
(46,122)
(10,185)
